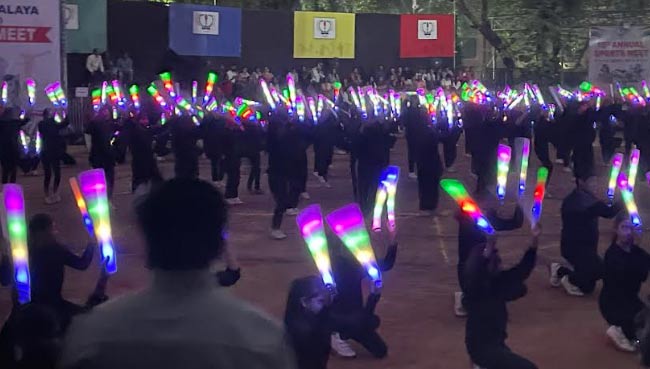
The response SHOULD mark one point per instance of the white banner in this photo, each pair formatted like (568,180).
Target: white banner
(325,28)
(619,54)
(30,47)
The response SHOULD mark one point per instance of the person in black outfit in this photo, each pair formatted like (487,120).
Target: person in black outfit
(184,137)
(429,165)
(53,148)
(583,134)
(102,131)
(10,146)
(232,160)
(213,133)
(470,236)
(357,321)
(139,135)
(252,144)
(544,129)
(412,127)
(579,239)
(626,267)
(484,154)
(489,289)
(326,133)
(607,119)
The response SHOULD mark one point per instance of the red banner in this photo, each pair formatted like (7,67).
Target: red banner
(427,35)
(20,34)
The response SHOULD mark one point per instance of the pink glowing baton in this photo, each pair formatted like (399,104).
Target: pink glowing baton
(503,166)
(628,199)
(467,205)
(634,168)
(291,84)
(312,229)
(16,229)
(31,91)
(617,163)
(93,187)
(348,224)
(209,86)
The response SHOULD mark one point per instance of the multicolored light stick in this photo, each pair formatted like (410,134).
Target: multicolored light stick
(4,94)
(267,94)
(93,187)
(81,204)
(51,95)
(348,224)
(31,91)
(134,91)
(104,94)
(300,108)
(195,91)
(291,84)
(153,91)
(336,89)
(523,146)
(504,154)
(634,168)
(168,84)
(209,86)
(16,229)
(312,229)
(39,143)
(540,191)
(380,200)
(118,93)
(628,199)
(392,176)
(23,141)
(312,109)
(617,163)
(96,96)
(468,206)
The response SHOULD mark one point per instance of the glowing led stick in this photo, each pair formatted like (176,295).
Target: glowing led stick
(517,100)
(4,95)
(392,176)
(523,146)
(153,91)
(168,84)
(617,163)
(23,141)
(564,93)
(538,95)
(163,119)
(380,200)
(60,96)
(646,90)
(267,94)
(51,95)
(634,168)
(457,191)
(320,105)
(628,199)
(503,166)
(312,109)
(421,96)
(312,229)
(96,99)
(300,108)
(81,204)
(116,115)
(336,87)
(58,117)
(212,105)
(31,91)
(39,143)
(209,86)
(291,84)
(184,104)
(195,91)
(355,98)
(362,100)
(347,223)
(540,191)
(118,93)
(134,91)
(104,88)
(16,230)
(398,104)
(93,187)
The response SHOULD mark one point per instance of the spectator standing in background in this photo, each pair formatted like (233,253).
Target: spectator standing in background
(125,68)
(183,319)
(95,67)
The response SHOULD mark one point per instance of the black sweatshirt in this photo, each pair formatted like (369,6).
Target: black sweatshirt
(47,264)
(624,272)
(53,145)
(580,213)
(487,295)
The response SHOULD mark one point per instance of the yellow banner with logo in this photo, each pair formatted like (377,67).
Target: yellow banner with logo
(323,35)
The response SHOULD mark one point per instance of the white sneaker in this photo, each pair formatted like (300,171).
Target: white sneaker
(277,234)
(567,169)
(559,161)
(305,196)
(292,211)
(321,179)
(49,200)
(340,152)
(341,347)
(315,174)
(554,279)
(413,175)
(451,170)
(618,338)
(234,201)
(569,287)
(160,158)
(56,198)
(218,184)
(459,309)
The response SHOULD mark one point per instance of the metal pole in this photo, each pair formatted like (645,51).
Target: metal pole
(455,35)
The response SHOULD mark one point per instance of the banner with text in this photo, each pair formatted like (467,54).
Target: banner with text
(323,35)
(201,30)
(30,46)
(619,54)
(427,35)
(84,22)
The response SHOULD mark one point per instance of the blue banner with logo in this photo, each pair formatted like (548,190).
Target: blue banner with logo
(200,30)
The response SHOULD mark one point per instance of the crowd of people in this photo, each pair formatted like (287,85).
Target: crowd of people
(184,219)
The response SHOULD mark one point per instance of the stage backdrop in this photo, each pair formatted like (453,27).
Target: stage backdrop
(85,25)
(30,46)
(619,54)
(201,30)
(323,35)
(427,35)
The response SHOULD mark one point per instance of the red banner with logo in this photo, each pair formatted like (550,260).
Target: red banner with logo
(427,35)
(23,34)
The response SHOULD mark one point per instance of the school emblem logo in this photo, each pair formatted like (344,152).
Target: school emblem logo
(427,30)
(325,28)
(206,23)
(71,16)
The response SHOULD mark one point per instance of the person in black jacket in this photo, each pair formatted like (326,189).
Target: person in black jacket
(252,141)
(52,149)
(470,236)
(484,153)
(10,147)
(489,289)
(185,134)
(102,131)
(429,165)
(579,240)
(140,133)
(213,133)
(326,132)
(626,267)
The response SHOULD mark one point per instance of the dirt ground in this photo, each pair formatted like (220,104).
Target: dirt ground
(550,328)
